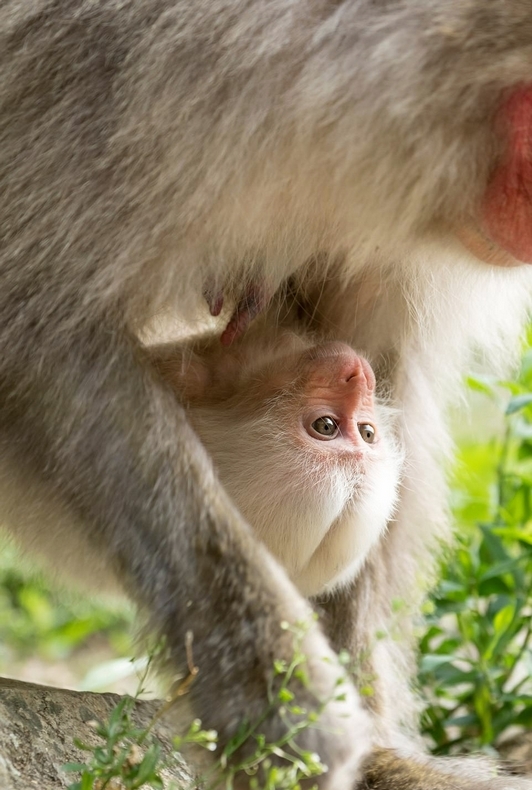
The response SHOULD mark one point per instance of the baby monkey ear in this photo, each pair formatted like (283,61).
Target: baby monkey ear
(201,370)
(187,374)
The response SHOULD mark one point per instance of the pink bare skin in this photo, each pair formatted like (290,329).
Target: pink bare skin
(503,234)
(255,299)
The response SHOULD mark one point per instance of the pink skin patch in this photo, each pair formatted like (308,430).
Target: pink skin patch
(255,299)
(506,212)
(214,297)
(253,302)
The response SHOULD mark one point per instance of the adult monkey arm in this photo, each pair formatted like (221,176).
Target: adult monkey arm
(150,148)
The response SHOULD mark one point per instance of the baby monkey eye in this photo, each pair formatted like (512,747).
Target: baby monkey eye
(367,432)
(326,426)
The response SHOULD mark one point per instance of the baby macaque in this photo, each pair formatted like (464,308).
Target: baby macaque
(298,440)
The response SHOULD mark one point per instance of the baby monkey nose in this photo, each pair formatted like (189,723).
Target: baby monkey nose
(343,364)
(358,368)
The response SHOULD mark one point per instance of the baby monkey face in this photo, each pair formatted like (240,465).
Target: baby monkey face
(337,398)
(302,445)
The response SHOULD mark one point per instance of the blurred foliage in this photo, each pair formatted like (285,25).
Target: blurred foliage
(48,622)
(475,654)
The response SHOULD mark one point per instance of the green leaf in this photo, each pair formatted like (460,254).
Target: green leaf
(495,586)
(120,711)
(74,767)
(483,384)
(502,622)
(146,769)
(524,718)
(500,568)
(87,782)
(503,618)
(431,662)
(81,745)
(285,695)
(518,402)
(493,543)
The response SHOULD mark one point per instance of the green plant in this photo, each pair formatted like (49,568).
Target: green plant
(129,758)
(476,658)
(37,619)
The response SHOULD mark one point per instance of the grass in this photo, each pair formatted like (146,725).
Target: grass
(475,653)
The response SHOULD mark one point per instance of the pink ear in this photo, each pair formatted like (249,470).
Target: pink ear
(507,204)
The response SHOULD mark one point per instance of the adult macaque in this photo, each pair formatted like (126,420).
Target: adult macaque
(153,150)
(299,443)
